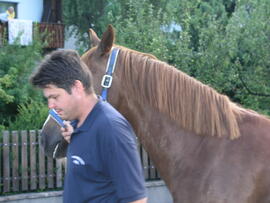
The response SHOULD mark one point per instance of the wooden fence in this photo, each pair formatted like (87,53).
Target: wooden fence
(54,34)
(25,168)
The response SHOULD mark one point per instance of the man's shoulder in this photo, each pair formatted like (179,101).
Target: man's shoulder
(113,123)
(110,114)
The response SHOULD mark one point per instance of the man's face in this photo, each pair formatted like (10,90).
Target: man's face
(60,100)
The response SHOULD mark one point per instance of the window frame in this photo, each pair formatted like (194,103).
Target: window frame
(4,5)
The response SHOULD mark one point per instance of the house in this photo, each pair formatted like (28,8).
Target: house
(46,13)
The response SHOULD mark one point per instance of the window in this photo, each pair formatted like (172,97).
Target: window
(5,5)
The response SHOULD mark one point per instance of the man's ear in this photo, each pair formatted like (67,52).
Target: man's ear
(94,40)
(78,86)
(107,40)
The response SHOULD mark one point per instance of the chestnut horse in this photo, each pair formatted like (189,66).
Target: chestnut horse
(206,148)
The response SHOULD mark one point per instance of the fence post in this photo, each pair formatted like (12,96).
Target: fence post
(24,157)
(41,164)
(6,162)
(152,170)
(50,172)
(33,171)
(59,174)
(15,161)
(144,162)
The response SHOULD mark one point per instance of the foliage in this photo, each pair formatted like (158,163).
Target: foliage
(133,29)
(31,115)
(17,63)
(82,15)
(224,44)
(248,36)
(230,51)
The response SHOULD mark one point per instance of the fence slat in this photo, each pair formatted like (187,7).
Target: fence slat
(59,174)
(24,157)
(50,172)
(15,161)
(145,163)
(6,162)
(41,164)
(33,164)
(152,170)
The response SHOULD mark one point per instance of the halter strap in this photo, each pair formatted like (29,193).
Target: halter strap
(106,81)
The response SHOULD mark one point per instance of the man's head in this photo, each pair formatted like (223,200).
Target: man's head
(62,68)
(65,81)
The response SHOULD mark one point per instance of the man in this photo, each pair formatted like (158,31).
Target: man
(103,165)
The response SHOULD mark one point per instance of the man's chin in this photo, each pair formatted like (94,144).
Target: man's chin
(65,118)
(62,116)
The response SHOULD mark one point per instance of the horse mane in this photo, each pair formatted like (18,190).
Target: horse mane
(194,106)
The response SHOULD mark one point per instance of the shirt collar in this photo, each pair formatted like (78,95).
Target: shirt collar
(89,119)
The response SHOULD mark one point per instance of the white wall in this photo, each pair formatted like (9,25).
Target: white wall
(28,9)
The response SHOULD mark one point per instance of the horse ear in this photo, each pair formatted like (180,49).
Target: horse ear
(94,40)
(107,40)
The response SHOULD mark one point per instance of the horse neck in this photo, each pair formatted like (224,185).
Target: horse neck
(161,137)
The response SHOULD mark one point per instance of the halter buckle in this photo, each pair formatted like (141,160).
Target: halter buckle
(106,81)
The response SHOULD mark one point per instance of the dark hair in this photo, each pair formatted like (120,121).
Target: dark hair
(61,68)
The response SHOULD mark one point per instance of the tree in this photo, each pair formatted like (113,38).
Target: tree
(248,36)
(230,51)
(81,15)
(224,44)
(16,64)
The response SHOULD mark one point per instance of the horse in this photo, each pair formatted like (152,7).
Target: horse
(206,148)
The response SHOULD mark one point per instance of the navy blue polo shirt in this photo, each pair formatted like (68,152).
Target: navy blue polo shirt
(103,164)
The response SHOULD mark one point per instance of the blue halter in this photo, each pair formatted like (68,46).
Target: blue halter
(107,78)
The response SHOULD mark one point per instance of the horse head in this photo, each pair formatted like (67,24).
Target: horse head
(96,59)
(52,142)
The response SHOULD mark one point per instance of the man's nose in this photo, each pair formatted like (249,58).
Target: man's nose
(51,104)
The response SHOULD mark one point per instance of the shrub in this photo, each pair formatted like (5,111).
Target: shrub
(17,63)
(31,115)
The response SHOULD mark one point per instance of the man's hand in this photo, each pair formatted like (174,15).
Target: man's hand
(144,200)
(67,131)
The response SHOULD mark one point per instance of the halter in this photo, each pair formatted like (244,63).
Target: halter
(106,81)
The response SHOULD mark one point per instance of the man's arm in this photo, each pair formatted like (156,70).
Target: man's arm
(144,200)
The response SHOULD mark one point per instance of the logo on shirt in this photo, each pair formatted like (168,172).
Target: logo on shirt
(77,160)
